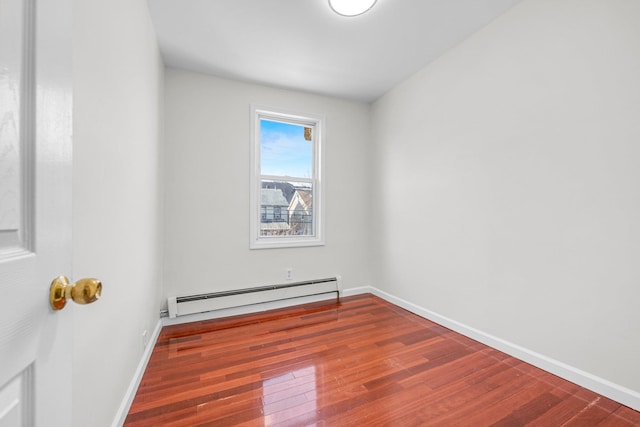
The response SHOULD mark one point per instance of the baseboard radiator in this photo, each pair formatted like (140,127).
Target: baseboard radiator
(191,304)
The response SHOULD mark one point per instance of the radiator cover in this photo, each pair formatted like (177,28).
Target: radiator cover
(191,304)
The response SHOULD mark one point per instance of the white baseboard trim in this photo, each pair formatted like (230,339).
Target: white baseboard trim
(589,381)
(357,291)
(123,410)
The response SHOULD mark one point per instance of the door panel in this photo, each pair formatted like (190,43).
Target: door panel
(15,161)
(35,211)
(15,406)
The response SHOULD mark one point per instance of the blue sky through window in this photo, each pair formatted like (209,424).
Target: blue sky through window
(284,151)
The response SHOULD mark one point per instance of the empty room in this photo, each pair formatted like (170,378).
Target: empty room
(294,213)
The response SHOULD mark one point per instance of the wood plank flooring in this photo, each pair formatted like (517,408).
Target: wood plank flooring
(360,362)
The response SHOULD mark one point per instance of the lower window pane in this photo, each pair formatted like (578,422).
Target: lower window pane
(286,208)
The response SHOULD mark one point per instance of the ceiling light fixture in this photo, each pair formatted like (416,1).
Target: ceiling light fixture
(351,7)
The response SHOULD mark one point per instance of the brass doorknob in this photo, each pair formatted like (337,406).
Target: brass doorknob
(84,291)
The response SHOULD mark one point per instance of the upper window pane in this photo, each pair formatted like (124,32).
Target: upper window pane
(286,149)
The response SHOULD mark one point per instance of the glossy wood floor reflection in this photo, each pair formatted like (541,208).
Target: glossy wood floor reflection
(362,362)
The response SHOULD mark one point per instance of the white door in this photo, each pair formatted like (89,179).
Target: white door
(35,211)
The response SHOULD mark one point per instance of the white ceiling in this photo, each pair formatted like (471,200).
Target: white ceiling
(303,45)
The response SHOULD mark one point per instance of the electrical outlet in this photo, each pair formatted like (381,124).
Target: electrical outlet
(145,339)
(289,274)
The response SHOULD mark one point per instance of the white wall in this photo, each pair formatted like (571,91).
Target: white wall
(207,188)
(118,95)
(517,155)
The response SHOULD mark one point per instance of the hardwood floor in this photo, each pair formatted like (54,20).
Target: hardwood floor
(360,362)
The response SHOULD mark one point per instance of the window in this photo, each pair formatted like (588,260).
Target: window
(286,186)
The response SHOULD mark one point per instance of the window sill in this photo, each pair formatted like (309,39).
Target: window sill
(285,243)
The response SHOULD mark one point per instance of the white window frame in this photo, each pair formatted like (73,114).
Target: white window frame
(315,121)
